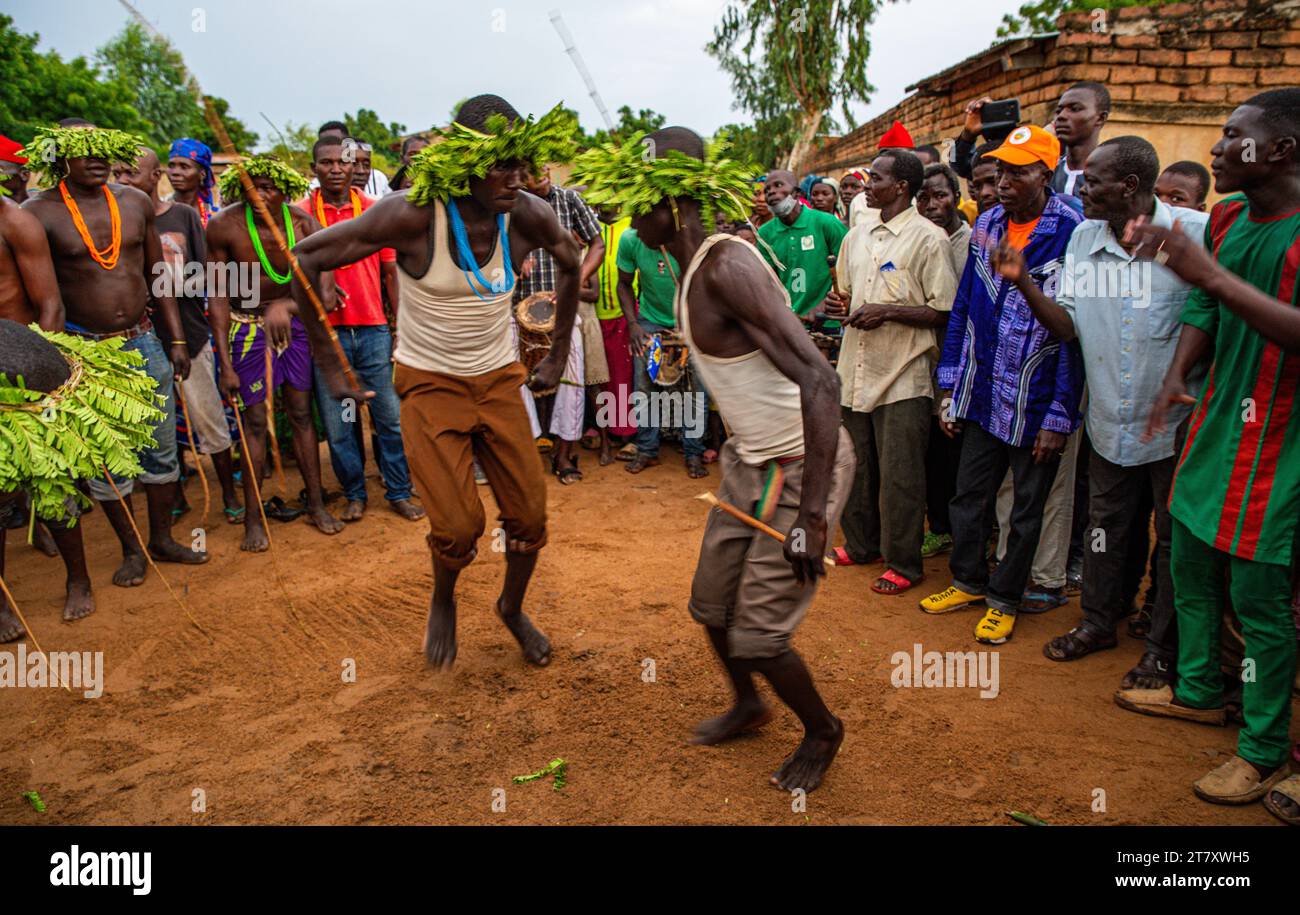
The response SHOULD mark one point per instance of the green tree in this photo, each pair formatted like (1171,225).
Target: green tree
(155,73)
(1040,16)
(293,146)
(796,59)
(38,89)
(630,125)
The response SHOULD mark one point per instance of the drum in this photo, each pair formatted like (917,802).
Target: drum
(535,317)
(666,361)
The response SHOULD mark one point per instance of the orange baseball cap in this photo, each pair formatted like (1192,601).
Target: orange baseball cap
(1028,144)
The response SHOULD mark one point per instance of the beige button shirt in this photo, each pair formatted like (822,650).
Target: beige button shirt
(906,261)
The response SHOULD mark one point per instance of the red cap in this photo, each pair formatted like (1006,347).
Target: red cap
(9,151)
(897,137)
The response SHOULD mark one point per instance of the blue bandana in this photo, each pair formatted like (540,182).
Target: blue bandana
(200,153)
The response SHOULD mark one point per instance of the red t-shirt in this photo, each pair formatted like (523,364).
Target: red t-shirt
(364,305)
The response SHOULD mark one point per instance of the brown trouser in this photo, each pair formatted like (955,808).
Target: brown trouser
(743,583)
(447,422)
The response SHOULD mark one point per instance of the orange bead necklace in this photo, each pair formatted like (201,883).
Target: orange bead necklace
(106,258)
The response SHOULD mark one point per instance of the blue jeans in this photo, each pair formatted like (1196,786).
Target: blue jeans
(647,435)
(159,461)
(369,350)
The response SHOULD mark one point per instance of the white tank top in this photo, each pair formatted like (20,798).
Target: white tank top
(759,404)
(442,326)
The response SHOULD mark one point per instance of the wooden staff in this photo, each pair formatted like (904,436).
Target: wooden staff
(144,547)
(28,626)
(198,457)
(251,196)
(831,260)
(744,518)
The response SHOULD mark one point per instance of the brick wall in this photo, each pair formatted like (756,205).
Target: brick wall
(1182,63)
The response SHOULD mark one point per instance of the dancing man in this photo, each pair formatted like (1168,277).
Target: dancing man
(461,233)
(787,456)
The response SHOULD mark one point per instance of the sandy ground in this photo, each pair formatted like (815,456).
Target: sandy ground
(261,721)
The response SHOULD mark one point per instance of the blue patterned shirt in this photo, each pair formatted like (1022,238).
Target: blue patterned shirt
(1005,371)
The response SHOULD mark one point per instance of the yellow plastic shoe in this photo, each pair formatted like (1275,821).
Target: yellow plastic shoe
(995,628)
(950,599)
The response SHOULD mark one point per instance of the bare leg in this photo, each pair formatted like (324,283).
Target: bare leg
(307,450)
(160,498)
(80,601)
(131,572)
(224,465)
(42,540)
(823,732)
(748,714)
(254,457)
(10,629)
(519,571)
(440,631)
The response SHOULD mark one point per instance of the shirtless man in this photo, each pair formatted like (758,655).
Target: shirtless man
(106,291)
(29,293)
(780,398)
(457,373)
(272,319)
(13,170)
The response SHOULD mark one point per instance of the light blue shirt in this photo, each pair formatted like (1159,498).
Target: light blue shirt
(1126,314)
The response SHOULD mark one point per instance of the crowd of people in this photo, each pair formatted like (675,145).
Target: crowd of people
(1057,364)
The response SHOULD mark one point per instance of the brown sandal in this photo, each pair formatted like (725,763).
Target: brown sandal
(1077,643)
(640,463)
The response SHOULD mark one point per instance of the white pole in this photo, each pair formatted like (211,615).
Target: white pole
(572,50)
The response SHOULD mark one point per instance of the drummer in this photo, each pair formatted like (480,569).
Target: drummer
(654,271)
(567,405)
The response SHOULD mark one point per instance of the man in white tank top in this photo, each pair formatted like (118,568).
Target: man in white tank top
(780,398)
(457,374)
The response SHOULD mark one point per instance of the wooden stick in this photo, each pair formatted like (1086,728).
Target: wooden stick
(831,260)
(276,461)
(198,457)
(747,519)
(26,625)
(144,547)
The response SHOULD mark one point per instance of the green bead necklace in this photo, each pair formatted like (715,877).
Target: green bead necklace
(278,278)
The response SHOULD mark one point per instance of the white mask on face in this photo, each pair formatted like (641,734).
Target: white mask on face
(785,207)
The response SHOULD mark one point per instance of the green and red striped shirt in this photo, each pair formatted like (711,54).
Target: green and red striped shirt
(1237,485)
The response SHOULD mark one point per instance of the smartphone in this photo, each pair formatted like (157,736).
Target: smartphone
(999,118)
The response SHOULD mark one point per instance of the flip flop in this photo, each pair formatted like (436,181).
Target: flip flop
(710,455)
(545,445)
(627,453)
(234,515)
(900,583)
(1288,787)
(841,557)
(277,508)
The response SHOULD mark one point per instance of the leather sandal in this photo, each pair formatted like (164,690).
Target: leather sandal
(1077,643)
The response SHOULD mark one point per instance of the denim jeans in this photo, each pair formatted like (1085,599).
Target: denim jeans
(369,350)
(159,461)
(647,435)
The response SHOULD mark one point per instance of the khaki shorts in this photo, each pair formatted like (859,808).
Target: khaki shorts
(448,421)
(207,413)
(743,583)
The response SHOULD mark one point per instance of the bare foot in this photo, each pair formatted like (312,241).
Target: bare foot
(171,551)
(536,646)
(43,541)
(255,539)
(324,521)
(407,509)
(10,629)
(80,602)
(131,572)
(737,721)
(440,637)
(806,766)
(353,511)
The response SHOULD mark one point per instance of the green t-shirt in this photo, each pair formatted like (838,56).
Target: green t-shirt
(802,247)
(658,288)
(1237,486)
(607,307)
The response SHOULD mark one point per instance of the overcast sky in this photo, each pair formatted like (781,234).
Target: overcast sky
(312,60)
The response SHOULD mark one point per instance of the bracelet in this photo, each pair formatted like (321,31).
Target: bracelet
(180,343)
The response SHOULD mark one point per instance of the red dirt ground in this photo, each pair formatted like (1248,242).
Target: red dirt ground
(262,722)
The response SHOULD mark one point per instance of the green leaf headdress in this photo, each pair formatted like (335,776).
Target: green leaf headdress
(51,145)
(632,178)
(443,170)
(293,185)
(101,416)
